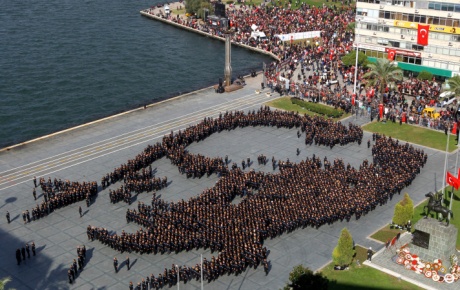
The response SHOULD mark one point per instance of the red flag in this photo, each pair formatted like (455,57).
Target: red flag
(391,54)
(454,128)
(451,180)
(422,34)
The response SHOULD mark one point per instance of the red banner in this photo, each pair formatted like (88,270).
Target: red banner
(422,34)
(391,54)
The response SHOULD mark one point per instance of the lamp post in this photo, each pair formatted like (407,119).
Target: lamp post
(177,267)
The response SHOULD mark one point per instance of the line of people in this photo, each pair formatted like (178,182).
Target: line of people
(21,252)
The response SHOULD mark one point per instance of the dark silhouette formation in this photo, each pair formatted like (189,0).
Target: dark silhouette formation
(312,193)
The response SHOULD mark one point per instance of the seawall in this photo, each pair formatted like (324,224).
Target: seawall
(150,14)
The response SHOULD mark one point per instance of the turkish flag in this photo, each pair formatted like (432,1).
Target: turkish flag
(422,34)
(451,180)
(391,54)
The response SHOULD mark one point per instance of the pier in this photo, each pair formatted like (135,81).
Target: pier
(158,14)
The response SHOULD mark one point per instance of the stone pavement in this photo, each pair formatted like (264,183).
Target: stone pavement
(89,152)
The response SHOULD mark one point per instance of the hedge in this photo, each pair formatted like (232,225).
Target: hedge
(318,108)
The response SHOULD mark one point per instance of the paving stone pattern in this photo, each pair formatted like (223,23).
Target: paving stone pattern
(114,141)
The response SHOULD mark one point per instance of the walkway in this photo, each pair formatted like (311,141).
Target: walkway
(91,151)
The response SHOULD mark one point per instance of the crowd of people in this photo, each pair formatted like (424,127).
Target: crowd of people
(328,80)
(58,194)
(301,195)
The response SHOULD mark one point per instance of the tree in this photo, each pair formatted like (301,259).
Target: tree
(194,6)
(3,282)
(454,85)
(302,278)
(424,75)
(404,210)
(383,73)
(343,253)
(350,59)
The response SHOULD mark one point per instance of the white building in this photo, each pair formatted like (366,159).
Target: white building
(385,26)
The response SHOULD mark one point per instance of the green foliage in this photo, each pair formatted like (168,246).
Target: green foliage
(343,253)
(195,6)
(230,2)
(454,84)
(303,278)
(404,210)
(425,76)
(3,282)
(318,108)
(383,73)
(350,59)
(351,27)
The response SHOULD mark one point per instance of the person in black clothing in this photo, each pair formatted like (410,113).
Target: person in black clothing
(23,252)
(80,263)
(34,193)
(69,274)
(8,217)
(28,251)
(80,211)
(115,264)
(18,256)
(369,254)
(127,262)
(131,286)
(33,248)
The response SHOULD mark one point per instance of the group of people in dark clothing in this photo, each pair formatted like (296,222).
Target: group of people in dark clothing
(77,264)
(311,193)
(58,194)
(21,253)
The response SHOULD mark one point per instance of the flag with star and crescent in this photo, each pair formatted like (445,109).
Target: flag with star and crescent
(422,34)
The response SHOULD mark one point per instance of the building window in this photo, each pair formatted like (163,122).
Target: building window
(394,43)
(417,47)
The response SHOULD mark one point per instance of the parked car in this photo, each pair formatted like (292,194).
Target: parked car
(446,98)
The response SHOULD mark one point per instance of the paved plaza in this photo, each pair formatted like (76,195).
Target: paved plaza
(89,152)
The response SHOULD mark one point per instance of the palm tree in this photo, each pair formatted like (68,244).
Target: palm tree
(3,282)
(454,85)
(383,73)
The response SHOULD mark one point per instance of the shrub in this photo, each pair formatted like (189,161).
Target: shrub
(404,210)
(424,75)
(318,108)
(303,278)
(343,253)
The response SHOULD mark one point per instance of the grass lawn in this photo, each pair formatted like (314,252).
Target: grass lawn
(180,11)
(285,103)
(413,134)
(385,234)
(363,277)
(419,213)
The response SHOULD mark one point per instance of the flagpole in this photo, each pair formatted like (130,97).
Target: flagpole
(452,192)
(356,59)
(445,167)
(201,271)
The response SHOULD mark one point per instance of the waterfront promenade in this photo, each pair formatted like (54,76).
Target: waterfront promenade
(89,152)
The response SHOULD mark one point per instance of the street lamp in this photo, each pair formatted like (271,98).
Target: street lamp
(177,267)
